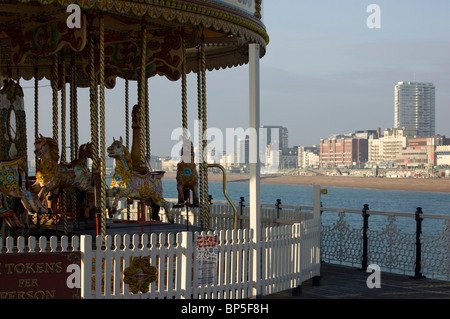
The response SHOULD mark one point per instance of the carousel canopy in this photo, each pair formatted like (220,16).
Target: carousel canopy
(33,31)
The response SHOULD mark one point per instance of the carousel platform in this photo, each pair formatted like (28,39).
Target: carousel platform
(113,227)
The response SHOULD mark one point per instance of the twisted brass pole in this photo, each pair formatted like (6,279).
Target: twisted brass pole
(204,139)
(102,128)
(147,121)
(127,130)
(36,108)
(184,91)
(54,84)
(74,129)
(63,137)
(200,142)
(141,93)
(93,92)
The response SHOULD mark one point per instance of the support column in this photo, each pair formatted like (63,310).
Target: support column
(254,125)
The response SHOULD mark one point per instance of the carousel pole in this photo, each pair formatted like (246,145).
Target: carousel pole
(200,142)
(203,176)
(36,107)
(93,97)
(74,128)
(141,93)
(184,93)
(204,139)
(127,131)
(54,85)
(102,128)
(147,121)
(93,105)
(63,137)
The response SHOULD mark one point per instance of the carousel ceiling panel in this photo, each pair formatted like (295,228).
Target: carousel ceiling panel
(32,31)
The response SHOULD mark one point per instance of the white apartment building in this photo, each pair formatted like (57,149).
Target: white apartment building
(415,108)
(386,148)
(308,156)
(443,155)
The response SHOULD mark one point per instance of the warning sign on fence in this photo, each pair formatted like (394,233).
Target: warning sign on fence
(206,260)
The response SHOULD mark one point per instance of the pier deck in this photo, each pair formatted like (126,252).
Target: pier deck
(343,282)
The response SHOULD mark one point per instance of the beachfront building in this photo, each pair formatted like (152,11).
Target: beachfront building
(421,151)
(443,155)
(415,108)
(342,152)
(386,149)
(308,156)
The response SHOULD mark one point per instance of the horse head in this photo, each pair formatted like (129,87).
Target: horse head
(86,151)
(116,149)
(46,147)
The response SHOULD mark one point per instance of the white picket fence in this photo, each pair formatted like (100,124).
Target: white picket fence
(289,256)
(222,215)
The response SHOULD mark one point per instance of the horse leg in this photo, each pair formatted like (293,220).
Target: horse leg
(195,194)
(181,194)
(155,211)
(114,205)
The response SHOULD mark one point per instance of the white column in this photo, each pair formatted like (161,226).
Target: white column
(254,125)
(317,200)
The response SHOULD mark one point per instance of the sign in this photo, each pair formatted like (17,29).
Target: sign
(244,5)
(206,260)
(37,275)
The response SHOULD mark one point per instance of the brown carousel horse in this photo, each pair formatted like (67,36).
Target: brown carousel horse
(13,186)
(140,185)
(187,177)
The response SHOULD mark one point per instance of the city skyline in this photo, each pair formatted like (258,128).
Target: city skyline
(324,72)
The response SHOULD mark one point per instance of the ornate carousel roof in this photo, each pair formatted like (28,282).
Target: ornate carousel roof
(32,31)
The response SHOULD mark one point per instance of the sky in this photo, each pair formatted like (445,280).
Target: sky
(325,72)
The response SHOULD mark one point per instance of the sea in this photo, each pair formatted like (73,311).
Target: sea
(437,203)
(396,201)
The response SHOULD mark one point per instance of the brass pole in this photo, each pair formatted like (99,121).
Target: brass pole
(102,128)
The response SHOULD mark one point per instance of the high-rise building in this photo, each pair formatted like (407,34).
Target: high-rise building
(276,137)
(415,108)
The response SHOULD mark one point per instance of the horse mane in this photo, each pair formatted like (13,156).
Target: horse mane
(127,155)
(53,146)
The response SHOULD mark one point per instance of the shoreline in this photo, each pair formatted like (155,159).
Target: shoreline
(404,184)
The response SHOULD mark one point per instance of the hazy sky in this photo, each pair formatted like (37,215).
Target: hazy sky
(325,72)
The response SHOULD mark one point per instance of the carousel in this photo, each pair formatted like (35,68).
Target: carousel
(93,44)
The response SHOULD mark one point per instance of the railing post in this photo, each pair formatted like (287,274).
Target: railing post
(418,268)
(277,205)
(365,237)
(241,211)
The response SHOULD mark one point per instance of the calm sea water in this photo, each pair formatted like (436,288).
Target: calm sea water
(337,197)
(432,203)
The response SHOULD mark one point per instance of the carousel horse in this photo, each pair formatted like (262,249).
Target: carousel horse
(187,178)
(140,185)
(53,175)
(12,185)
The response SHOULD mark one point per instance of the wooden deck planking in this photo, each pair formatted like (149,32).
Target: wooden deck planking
(343,282)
